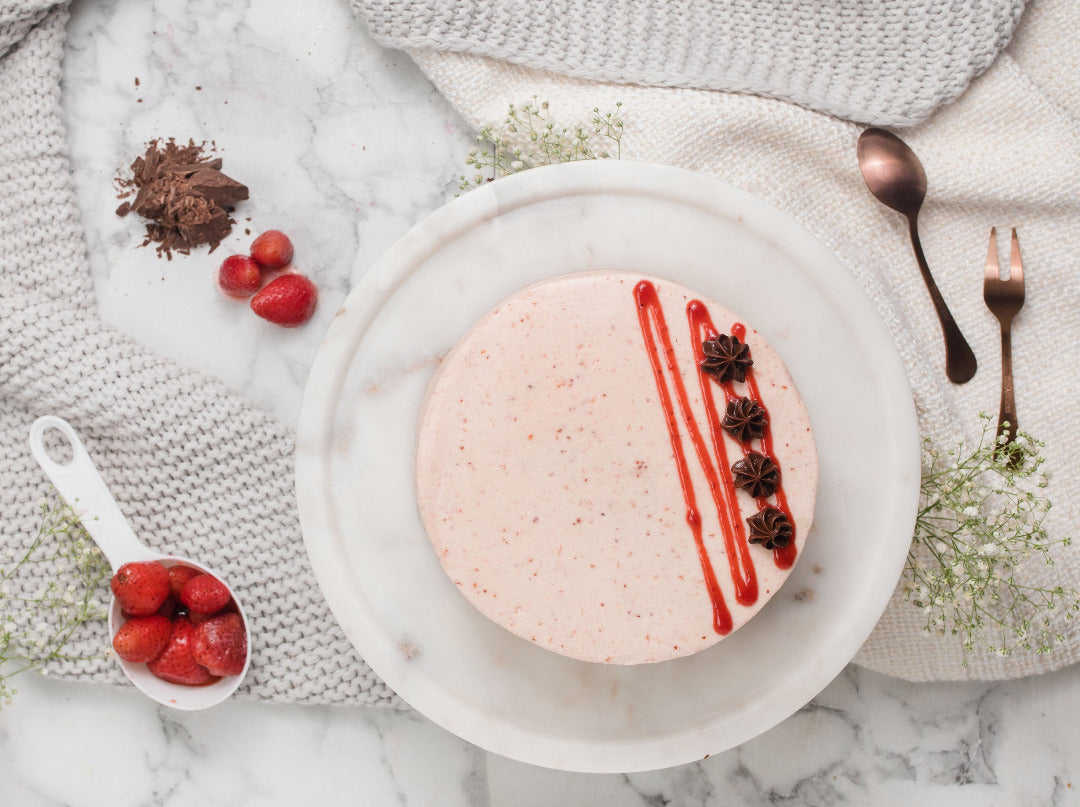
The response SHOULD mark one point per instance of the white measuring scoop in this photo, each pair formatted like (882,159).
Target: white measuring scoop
(83,489)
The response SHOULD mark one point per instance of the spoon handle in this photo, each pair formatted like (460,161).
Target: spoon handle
(85,491)
(960,364)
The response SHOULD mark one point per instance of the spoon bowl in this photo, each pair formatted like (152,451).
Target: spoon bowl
(80,485)
(891,171)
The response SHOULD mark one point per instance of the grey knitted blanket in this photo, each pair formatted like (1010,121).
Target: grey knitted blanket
(886,62)
(181,454)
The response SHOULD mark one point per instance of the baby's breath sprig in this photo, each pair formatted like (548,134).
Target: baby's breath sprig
(36,627)
(980,523)
(529,137)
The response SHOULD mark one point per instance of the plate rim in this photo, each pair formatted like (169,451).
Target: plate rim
(365,300)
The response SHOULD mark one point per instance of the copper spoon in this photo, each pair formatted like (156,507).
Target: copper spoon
(896,178)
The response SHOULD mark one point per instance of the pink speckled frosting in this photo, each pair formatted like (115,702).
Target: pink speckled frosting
(547,482)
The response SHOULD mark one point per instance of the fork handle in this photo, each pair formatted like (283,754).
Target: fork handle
(1007,412)
(960,361)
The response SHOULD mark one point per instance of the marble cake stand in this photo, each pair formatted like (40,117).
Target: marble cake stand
(358,428)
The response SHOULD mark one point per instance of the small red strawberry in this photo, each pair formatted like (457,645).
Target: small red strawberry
(176,664)
(272,250)
(221,644)
(140,587)
(168,608)
(204,594)
(142,638)
(239,276)
(178,575)
(288,301)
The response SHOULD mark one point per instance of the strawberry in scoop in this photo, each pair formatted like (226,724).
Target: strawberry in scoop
(204,594)
(288,301)
(178,575)
(221,644)
(141,587)
(177,664)
(142,638)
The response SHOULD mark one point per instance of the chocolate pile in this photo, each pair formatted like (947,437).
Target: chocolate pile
(184,195)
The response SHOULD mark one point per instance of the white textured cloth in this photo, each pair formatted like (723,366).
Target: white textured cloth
(198,471)
(887,62)
(1007,153)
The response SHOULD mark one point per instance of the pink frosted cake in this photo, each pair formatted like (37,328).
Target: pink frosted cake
(615,468)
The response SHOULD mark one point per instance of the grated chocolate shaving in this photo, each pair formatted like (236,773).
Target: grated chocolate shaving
(183,194)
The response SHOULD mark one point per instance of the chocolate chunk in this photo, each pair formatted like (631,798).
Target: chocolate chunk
(210,227)
(149,166)
(188,169)
(218,188)
(183,195)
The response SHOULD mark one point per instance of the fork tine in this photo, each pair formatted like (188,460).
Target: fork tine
(1016,268)
(993,271)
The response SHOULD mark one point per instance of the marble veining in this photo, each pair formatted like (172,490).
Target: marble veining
(347,145)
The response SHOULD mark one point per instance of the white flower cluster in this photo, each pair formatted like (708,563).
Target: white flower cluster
(530,137)
(35,628)
(980,523)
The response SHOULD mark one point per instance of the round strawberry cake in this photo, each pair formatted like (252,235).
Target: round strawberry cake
(615,468)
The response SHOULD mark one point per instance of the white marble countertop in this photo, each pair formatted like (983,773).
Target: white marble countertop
(345,146)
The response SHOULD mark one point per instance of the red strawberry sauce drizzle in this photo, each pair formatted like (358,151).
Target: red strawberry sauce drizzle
(783,558)
(655,332)
(701,327)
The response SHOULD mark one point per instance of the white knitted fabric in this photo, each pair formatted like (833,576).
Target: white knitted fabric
(887,62)
(1007,153)
(196,470)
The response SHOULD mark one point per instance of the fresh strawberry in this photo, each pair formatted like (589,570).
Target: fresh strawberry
(288,301)
(141,587)
(176,664)
(272,250)
(221,644)
(168,608)
(142,638)
(178,575)
(239,276)
(204,594)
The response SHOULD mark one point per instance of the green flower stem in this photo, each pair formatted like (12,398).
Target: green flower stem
(529,136)
(36,629)
(980,522)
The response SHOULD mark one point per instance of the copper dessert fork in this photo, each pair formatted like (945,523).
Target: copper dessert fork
(1005,298)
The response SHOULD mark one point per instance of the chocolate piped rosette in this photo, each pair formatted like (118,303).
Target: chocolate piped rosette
(615,468)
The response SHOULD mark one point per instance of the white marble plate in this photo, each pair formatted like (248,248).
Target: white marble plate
(356,439)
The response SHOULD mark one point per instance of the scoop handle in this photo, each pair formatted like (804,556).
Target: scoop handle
(85,491)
